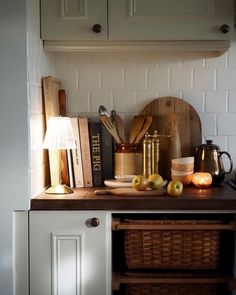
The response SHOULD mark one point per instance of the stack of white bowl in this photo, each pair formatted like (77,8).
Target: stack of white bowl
(182,169)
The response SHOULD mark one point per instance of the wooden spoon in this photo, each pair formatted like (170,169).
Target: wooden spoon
(136,126)
(145,128)
(119,123)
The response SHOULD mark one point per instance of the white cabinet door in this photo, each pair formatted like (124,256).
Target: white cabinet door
(68,256)
(170,19)
(73,19)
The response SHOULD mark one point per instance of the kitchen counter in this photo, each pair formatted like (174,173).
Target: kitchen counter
(217,199)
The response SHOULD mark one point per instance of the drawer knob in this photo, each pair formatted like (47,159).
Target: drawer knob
(225,28)
(94,222)
(97,28)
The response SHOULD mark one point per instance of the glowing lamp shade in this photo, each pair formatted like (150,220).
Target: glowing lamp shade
(59,136)
(202,179)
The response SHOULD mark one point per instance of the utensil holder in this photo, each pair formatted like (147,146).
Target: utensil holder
(128,159)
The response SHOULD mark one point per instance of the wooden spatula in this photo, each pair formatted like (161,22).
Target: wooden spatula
(106,121)
(136,126)
(147,124)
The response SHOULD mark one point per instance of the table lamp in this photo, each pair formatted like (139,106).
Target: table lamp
(59,136)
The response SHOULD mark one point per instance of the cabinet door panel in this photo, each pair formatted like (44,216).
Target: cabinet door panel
(73,19)
(67,256)
(169,19)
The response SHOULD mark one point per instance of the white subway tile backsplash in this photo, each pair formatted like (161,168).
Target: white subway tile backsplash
(216,101)
(79,103)
(232,146)
(124,101)
(157,78)
(227,124)
(208,124)
(112,79)
(195,98)
(181,79)
(232,101)
(89,78)
(203,79)
(98,98)
(135,79)
(226,79)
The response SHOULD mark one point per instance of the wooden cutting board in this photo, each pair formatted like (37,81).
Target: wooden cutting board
(189,125)
(131,192)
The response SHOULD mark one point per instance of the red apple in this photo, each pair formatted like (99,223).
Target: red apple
(140,182)
(175,188)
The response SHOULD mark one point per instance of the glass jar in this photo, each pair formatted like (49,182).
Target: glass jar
(128,159)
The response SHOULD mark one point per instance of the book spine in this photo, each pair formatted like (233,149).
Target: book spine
(77,155)
(85,152)
(96,152)
(107,155)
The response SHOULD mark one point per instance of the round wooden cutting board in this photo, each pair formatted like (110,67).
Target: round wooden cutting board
(189,123)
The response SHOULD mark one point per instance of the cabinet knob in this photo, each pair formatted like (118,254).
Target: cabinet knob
(94,222)
(97,28)
(225,28)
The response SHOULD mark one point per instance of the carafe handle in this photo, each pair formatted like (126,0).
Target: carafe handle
(230,160)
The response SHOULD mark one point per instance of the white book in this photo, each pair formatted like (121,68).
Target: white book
(77,156)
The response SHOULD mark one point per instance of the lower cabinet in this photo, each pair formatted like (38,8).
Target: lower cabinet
(70,253)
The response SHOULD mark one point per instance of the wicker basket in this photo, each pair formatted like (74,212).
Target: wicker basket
(180,247)
(171,289)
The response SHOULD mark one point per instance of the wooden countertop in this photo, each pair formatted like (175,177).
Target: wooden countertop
(221,198)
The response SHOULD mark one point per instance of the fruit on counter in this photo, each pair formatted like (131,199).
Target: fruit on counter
(155,181)
(140,182)
(175,188)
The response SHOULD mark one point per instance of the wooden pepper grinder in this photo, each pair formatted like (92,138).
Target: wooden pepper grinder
(175,143)
(171,129)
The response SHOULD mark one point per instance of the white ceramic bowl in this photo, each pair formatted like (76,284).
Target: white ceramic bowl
(183,164)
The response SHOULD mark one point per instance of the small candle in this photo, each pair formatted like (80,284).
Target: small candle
(202,179)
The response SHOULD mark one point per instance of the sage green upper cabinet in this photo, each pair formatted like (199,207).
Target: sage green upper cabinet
(128,25)
(171,19)
(74,20)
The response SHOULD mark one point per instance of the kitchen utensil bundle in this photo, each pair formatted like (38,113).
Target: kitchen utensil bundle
(115,126)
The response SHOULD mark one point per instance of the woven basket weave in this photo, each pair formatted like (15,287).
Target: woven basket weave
(171,289)
(172,248)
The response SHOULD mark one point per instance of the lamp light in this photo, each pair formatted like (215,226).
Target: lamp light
(59,136)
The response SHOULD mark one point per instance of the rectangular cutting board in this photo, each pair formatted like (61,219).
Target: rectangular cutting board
(188,122)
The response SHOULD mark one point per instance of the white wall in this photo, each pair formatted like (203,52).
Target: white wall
(127,81)
(14,177)
(39,65)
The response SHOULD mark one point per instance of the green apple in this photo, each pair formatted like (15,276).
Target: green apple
(175,188)
(155,181)
(140,182)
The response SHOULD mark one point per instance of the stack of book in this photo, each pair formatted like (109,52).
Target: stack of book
(91,162)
